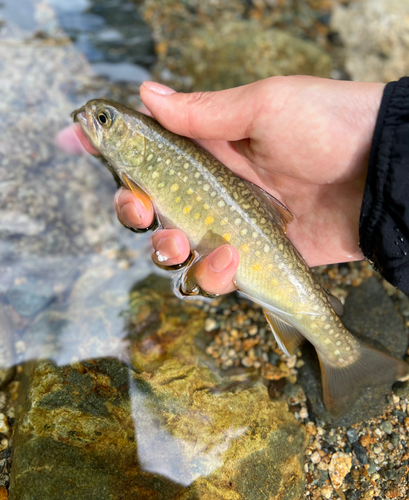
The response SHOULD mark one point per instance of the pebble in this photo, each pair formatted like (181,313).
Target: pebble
(326,491)
(339,467)
(3,401)
(360,453)
(3,493)
(4,426)
(210,324)
(315,457)
(387,427)
(352,436)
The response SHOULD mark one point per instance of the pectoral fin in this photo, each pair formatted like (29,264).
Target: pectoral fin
(287,337)
(341,385)
(137,191)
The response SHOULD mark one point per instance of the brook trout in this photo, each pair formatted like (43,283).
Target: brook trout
(193,191)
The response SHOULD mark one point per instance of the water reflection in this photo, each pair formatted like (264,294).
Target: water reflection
(178,459)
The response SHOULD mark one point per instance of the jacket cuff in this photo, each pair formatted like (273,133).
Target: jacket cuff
(384,220)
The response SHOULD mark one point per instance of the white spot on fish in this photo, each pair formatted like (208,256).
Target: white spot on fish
(155,175)
(238,221)
(221,204)
(186,166)
(266,248)
(338,343)
(206,187)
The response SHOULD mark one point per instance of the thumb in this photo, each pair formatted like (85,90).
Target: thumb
(224,115)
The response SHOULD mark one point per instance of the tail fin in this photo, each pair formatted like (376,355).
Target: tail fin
(341,385)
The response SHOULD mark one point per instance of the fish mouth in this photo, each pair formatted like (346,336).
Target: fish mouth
(83,116)
(80,116)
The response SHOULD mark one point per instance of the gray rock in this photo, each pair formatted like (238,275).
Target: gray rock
(376,38)
(372,318)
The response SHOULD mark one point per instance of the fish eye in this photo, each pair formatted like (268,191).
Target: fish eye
(104,118)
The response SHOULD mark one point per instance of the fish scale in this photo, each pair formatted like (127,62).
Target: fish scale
(191,190)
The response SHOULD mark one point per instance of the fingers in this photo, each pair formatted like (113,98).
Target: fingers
(215,273)
(131,211)
(68,141)
(171,247)
(210,115)
(72,140)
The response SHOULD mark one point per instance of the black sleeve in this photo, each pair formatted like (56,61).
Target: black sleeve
(384,222)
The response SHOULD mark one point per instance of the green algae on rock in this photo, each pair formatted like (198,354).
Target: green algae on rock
(168,426)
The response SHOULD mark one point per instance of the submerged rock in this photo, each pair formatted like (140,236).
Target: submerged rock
(240,52)
(372,318)
(212,45)
(165,426)
(376,38)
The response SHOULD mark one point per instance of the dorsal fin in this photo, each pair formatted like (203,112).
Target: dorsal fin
(276,211)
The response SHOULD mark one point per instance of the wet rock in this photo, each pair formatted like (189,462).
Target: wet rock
(376,38)
(360,453)
(352,436)
(212,46)
(6,348)
(241,52)
(372,318)
(339,467)
(165,426)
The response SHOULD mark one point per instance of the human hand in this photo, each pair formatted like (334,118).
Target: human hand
(305,140)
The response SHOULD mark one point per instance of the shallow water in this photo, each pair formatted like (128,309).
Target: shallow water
(110,33)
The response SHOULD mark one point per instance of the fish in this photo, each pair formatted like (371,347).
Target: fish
(192,191)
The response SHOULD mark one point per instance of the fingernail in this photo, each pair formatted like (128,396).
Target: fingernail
(221,259)
(158,88)
(166,249)
(129,215)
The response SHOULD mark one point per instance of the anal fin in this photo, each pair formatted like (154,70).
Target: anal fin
(341,384)
(287,337)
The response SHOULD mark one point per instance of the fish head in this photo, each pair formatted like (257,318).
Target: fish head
(109,126)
